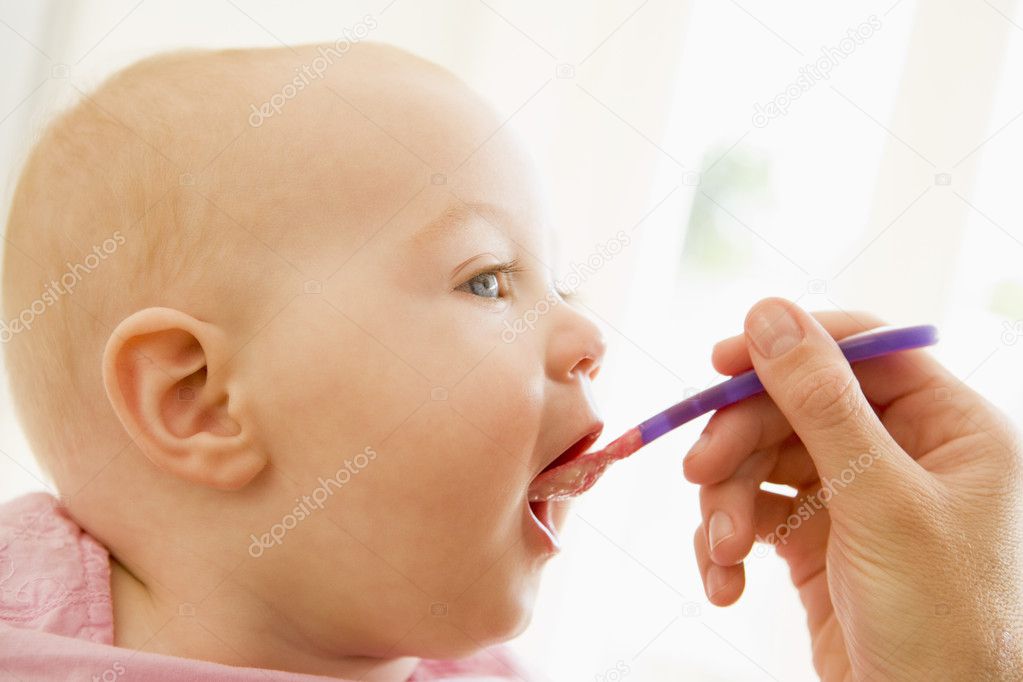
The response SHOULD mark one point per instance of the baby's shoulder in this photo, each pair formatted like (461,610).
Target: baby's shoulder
(54,576)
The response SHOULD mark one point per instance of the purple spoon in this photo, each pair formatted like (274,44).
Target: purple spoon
(577,476)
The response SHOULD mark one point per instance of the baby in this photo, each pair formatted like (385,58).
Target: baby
(253,325)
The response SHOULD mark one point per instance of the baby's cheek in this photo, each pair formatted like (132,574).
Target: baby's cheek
(439,501)
(440,465)
(504,400)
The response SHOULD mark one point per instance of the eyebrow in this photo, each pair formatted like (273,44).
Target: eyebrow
(458,213)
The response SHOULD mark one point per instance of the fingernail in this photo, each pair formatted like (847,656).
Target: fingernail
(717,579)
(699,446)
(773,330)
(719,529)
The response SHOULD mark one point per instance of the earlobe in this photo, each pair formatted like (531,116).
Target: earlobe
(164,381)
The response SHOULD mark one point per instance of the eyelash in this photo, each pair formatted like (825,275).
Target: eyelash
(506,269)
(512,267)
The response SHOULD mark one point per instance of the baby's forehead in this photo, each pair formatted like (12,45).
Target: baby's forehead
(375,126)
(375,101)
(368,145)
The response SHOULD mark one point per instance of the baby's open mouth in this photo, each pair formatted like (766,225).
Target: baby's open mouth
(576,451)
(541,510)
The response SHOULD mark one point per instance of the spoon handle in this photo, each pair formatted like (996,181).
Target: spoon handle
(869,344)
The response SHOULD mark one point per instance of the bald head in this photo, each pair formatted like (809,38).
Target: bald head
(209,182)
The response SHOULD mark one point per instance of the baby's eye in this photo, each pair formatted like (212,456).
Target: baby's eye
(484,285)
(495,283)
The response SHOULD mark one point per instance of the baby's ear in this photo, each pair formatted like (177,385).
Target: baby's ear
(161,373)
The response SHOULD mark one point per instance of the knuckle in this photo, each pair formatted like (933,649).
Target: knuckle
(826,395)
(1013,452)
(1006,442)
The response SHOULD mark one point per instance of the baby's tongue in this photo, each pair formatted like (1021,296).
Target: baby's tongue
(576,477)
(569,479)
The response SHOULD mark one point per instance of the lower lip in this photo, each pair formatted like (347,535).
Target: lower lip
(542,516)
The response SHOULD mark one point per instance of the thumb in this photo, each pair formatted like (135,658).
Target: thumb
(811,382)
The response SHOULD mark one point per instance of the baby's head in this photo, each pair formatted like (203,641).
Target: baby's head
(265,332)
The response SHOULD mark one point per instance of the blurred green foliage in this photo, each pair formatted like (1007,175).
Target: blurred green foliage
(736,182)
(1007,299)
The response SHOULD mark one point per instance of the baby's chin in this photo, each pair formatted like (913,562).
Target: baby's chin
(494,610)
(466,629)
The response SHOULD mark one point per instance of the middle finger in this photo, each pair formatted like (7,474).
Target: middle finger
(732,435)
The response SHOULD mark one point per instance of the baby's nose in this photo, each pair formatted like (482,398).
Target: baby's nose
(576,347)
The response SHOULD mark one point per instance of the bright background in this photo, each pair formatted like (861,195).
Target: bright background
(891,186)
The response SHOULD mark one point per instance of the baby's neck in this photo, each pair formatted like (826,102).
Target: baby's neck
(145,620)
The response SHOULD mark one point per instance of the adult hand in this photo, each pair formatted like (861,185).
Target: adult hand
(904,540)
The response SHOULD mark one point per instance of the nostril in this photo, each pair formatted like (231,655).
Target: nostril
(587,366)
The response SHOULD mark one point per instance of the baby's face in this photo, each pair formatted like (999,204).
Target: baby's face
(413,378)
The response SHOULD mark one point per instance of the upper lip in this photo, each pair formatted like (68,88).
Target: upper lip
(584,438)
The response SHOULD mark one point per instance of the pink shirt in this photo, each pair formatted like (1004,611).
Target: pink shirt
(56,616)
